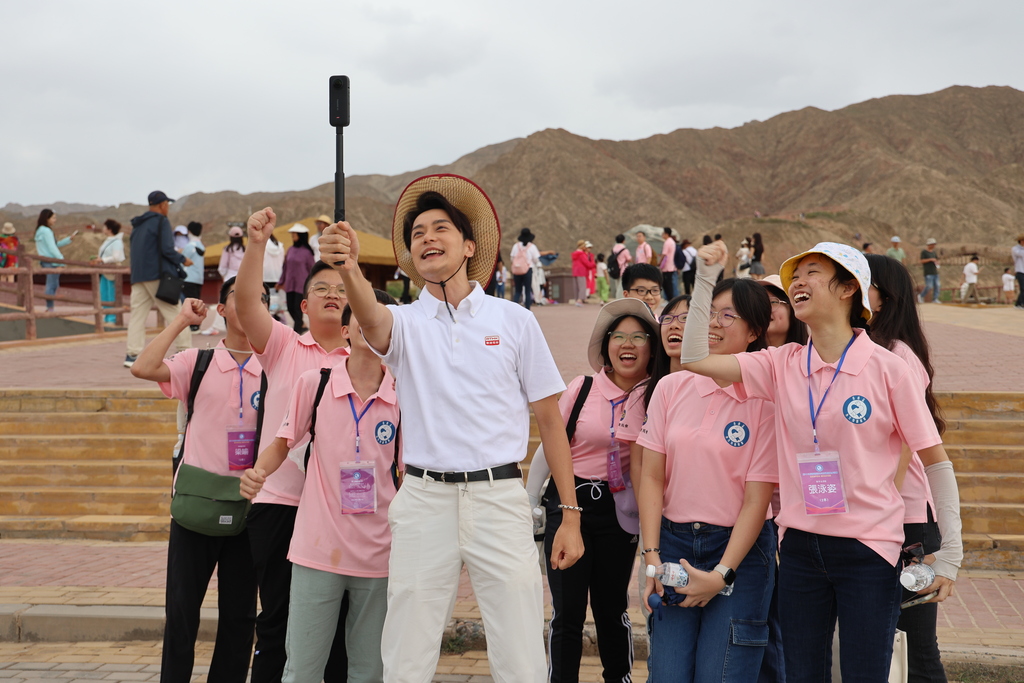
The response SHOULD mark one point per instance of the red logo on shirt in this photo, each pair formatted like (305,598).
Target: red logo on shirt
(492,340)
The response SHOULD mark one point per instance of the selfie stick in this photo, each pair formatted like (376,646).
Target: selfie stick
(339,112)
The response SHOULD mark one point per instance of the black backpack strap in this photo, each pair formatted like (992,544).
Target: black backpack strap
(260,411)
(394,464)
(325,376)
(581,398)
(202,364)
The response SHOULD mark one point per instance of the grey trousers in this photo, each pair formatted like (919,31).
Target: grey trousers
(313,618)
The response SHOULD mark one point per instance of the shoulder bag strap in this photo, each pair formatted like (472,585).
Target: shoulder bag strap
(325,376)
(260,411)
(581,398)
(202,364)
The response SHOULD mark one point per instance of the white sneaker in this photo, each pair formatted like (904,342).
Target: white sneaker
(209,332)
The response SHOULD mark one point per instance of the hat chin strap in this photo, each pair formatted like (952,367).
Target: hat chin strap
(444,282)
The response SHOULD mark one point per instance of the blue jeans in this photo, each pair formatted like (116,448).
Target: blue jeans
(52,284)
(931,282)
(825,577)
(725,639)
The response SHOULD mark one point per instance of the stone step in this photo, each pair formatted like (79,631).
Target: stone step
(75,501)
(972,458)
(994,551)
(993,518)
(84,400)
(96,527)
(87,472)
(988,432)
(115,424)
(992,405)
(88,447)
(991,487)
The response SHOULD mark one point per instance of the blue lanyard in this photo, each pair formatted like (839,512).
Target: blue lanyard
(241,397)
(357,418)
(810,395)
(615,404)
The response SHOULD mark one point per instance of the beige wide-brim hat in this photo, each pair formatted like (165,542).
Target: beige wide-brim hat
(8,229)
(467,197)
(846,257)
(324,218)
(609,314)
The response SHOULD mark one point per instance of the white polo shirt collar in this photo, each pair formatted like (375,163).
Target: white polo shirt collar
(435,308)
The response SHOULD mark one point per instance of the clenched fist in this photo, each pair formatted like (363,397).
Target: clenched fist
(193,311)
(339,247)
(261,224)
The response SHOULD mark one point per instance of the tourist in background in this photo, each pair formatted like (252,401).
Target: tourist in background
(273,264)
(969,282)
(756,266)
(1018,266)
(896,251)
(111,253)
(582,264)
(617,263)
(644,253)
(180,237)
(500,279)
(195,274)
(298,262)
(1008,286)
(46,245)
(689,266)
(8,240)
(930,268)
(667,265)
(230,260)
(524,257)
(743,259)
(603,284)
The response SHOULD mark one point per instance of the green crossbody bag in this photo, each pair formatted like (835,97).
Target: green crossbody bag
(208,503)
(204,502)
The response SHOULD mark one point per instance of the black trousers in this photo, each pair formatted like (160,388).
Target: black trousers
(689,279)
(605,572)
(923,660)
(294,300)
(191,558)
(1020,287)
(668,285)
(270,533)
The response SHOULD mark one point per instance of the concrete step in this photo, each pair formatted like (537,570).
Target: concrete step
(83,400)
(993,518)
(95,527)
(87,472)
(115,424)
(75,501)
(991,487)
(993,405)
(994,551)
(988,432)
(973,458)
(88,447)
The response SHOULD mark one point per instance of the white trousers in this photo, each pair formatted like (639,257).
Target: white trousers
(438,527)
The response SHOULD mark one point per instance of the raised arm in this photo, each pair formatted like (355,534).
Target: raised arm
(150,363)
(252,314)
(695,355)
(339,246)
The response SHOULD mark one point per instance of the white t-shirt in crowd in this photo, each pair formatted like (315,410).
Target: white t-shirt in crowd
(971,273)
(1008,281)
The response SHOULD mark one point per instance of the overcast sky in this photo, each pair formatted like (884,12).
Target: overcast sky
(101,102)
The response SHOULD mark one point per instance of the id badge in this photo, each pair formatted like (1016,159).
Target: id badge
(821,479)
(241,448)
(615,481)
(358,489)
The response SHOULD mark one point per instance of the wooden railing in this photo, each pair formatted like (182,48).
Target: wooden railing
(26,294)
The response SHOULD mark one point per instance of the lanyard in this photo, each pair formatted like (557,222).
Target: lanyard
(810,395)
(241,398)
(357,418)
(615,404)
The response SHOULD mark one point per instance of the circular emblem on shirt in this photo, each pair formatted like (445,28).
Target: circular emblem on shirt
(857,409)
(254,400)
(385,432)
(736,434)
(645,421)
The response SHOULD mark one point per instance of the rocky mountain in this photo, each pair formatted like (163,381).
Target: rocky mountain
(948,165)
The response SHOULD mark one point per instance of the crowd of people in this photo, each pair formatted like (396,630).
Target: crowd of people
(750,429)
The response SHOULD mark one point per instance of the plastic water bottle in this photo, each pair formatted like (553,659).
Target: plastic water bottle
(538,520)
(669,573)
(916,577)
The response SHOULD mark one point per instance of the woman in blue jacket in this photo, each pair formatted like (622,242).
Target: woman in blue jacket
(46,245)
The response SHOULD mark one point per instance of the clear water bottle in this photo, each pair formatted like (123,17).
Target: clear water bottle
(916,577)
(669,573)
(538,520)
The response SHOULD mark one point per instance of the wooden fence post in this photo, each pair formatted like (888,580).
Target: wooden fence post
(29,294)
(119,298)
(97,301)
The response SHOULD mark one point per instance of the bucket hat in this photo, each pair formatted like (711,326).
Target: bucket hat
(611,312)
(324,218)
(847,257)
(8,229)
(467,197)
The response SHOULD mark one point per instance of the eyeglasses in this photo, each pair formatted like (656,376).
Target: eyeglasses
(634,338)
(643,291)
(669,319)
(725,317)
(778,302)
(322,290)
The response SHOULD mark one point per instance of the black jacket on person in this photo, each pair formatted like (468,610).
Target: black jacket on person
(152,247)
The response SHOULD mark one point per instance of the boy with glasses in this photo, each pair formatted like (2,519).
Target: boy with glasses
(642,281)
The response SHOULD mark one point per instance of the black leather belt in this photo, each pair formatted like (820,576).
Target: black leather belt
(510,471)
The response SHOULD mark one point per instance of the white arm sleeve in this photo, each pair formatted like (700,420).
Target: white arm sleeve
(695,334)
(539,472)
(947,508)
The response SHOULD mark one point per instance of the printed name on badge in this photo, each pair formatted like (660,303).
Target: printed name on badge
(492,340)
(857,409)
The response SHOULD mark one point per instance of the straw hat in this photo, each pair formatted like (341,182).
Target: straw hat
(580,244)
(324,218)
(847,257)
(8,229)
(611,312)
(467,197)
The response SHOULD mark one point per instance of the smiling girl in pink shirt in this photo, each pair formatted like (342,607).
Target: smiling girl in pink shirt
(707,479)
(844,408)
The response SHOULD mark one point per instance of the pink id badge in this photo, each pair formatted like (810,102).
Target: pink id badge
(358,489)
(821,479)
(615,481)
(241,448)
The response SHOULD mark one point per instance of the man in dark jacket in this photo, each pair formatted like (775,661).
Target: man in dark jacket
(152,253)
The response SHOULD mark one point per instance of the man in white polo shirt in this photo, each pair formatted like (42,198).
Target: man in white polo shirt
(468,369)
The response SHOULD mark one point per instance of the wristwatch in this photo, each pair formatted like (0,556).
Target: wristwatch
(728,574)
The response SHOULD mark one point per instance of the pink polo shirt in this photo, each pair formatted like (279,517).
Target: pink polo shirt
(594,427)
(285,358)
(875,404)
(324,538)
(715,440)
(632,415)
(644,252)
(917,494)
(226,390)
